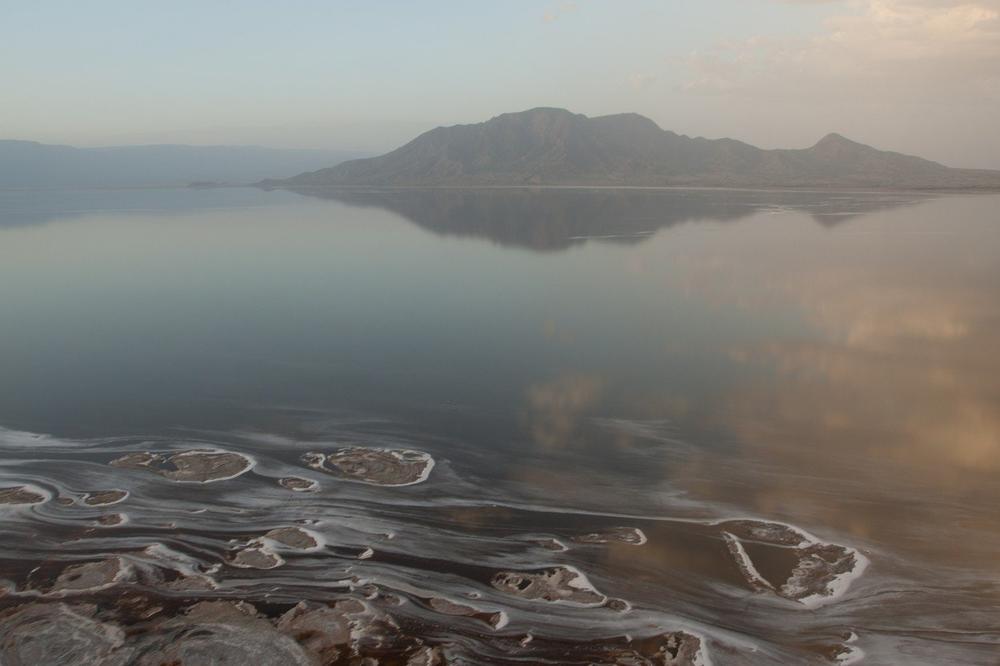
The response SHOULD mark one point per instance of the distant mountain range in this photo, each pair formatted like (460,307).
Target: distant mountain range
(27,164)
(548,146)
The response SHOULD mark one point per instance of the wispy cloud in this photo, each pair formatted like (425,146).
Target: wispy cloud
(559,10)
(889,49)
(641,80)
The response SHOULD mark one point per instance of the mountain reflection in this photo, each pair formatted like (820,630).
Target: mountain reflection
(553,219)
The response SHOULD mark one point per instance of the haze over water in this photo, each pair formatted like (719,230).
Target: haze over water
(732,378)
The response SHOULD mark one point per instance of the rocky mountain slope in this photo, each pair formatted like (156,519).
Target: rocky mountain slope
(548,146)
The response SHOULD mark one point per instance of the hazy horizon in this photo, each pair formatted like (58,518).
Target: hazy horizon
(912,76)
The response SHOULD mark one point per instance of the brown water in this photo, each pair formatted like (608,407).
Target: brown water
(510,426)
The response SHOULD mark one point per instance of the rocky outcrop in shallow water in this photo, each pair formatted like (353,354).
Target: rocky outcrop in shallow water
(555,584)
(20,495)
(220,633)
(631,536)
(297,484)
(820,573)
(104,497)
(293,537)
(90,576)
(380,467)
(361,572)
(59,634)
(194,466)
(256,557)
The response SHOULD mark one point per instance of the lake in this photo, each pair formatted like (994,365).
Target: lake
(501,426)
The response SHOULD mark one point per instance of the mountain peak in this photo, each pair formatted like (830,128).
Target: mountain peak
(635,120)
(553,146)
(548,112)
(833,139)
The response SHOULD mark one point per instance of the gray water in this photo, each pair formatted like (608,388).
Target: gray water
(700,396)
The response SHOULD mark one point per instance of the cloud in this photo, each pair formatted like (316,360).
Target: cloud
(885,49)
(641,81)
(556,409)
(559,10)
(901,369)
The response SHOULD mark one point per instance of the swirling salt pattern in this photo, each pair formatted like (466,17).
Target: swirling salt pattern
(408,541)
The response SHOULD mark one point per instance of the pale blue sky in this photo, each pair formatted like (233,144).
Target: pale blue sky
(369,75)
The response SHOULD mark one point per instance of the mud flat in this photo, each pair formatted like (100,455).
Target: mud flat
(112,519)
(820,572)
(631,536)
(379,467)
(494,619)
(21,495)
(104,497)
(365,575)
(192,466)
(296,483)
(256,556)
(294,537)
(260,552)
(673,649)
(558,584)
(90,576)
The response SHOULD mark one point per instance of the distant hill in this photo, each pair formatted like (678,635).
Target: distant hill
(547,146)
(27,164)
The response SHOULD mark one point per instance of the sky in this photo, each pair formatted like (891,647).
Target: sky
(916,76)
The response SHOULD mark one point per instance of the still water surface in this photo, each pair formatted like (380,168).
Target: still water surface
(761,426)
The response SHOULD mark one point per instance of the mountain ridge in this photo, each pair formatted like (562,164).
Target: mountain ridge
(32,164)
(551,146)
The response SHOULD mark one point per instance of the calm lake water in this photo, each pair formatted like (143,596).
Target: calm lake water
(719,427)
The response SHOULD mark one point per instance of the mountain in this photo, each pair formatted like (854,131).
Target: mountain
(548,146)
(27,164)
